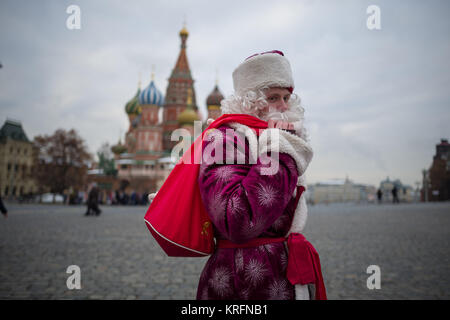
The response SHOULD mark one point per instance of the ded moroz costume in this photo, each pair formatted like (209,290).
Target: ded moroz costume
(248,195)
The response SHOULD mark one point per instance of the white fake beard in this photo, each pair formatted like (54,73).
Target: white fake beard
(289,115)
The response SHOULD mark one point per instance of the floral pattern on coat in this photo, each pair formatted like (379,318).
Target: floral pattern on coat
(243,204)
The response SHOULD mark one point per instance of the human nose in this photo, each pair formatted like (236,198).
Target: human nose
(283,106)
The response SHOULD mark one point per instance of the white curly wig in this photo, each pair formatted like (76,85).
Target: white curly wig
(254,101)
(252,78)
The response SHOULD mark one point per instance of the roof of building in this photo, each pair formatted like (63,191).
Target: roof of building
(180,79)
(132,106)
(118,148)
(334,182)
(182,65)
(13,129)
(151,95)
(214,97)
(188,116)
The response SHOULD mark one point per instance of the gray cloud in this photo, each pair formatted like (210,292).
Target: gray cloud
(376,101)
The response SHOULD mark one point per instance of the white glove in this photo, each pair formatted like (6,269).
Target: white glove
(151,196)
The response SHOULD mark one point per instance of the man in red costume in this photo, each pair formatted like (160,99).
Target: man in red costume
(246,192)
(252,209)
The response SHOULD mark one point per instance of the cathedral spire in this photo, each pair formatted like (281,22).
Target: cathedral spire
(182,63)
(184,34)
(177,94)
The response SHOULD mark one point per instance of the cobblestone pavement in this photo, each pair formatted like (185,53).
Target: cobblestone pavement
(119,259)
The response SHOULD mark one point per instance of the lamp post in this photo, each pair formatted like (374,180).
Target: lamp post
(425,184)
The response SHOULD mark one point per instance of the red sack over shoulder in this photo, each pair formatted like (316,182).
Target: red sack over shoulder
(177,218)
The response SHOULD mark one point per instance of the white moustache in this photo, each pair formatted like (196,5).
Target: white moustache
(288,115)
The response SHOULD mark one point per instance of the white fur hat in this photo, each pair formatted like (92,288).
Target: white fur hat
(268,69)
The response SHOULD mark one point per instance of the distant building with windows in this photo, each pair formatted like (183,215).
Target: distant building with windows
(340,190)
(436,180)
(17,156)
(405,193)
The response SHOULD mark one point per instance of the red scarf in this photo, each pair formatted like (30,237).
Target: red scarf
(304,264)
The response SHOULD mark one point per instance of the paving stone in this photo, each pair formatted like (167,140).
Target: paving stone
(119,259)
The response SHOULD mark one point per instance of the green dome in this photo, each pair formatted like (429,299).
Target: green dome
(118,148)
(132,106)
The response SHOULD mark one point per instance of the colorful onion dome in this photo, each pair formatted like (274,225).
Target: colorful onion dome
(132,106)
(188,116)
(151,95)
(118,148)
(184,32)
(214,97)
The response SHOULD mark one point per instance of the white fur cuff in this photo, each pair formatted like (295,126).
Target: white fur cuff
(281,141)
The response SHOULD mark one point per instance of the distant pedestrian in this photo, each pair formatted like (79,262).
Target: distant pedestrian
(92,201)
(3,208)
(380,196)
(395,195)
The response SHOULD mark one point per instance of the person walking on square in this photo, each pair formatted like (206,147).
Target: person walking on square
(92,201)
(380,196)
(3,208)
(257,206)
(395,195)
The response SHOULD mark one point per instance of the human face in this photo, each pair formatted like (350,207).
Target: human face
(277,99)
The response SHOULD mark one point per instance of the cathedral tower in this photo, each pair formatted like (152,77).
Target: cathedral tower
(149,132)
(180,82)
(213,103)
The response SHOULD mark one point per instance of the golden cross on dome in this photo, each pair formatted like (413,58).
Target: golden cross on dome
(184,31)
(139,79)
(217,76)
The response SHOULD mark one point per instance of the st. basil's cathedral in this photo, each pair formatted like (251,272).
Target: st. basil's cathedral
(144,159)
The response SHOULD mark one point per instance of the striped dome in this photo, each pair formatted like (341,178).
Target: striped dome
(151,95)
(132,106)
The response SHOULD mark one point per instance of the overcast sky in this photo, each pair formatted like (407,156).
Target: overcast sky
(377,101)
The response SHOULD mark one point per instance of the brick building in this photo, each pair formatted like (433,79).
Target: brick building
(436,181)
(144,160)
